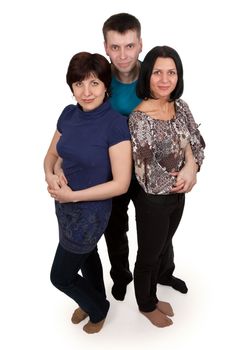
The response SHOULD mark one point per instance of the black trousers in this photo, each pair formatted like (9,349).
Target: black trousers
(87,290)
(116,235)
(157,218)
(117,240)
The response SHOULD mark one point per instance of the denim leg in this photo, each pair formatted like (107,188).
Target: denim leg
(65,277)
(94,276)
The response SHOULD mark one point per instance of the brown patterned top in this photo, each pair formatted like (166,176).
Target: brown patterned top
(158,147)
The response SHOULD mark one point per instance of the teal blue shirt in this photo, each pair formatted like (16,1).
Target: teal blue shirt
(123,96)
(124,99)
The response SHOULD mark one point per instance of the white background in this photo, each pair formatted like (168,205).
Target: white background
(38,38)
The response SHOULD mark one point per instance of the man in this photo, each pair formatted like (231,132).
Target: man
(123,44)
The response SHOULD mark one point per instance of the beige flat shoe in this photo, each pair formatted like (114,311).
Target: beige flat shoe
(91,328)
(78,316)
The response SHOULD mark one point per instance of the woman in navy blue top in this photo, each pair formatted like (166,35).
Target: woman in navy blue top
(93,141)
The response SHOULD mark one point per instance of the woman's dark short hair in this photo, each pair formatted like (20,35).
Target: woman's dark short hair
(83,64)
(121,23)
(143,85)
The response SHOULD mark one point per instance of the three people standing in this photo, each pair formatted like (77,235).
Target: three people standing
(93,140)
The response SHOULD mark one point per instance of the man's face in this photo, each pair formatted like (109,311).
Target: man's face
(123,49)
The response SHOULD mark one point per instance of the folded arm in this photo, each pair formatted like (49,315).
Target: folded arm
(186,178)
(121,166)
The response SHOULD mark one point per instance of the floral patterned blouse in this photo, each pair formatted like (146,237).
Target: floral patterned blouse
(159,147)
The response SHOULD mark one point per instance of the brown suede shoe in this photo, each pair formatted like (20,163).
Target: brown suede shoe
(91,327)
(78,316)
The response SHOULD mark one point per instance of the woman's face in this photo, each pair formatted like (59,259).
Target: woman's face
(164,77)
(89,93)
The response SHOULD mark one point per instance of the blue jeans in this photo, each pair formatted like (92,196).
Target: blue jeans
(87,290)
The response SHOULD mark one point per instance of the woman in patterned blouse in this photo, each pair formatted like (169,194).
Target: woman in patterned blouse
(162,127)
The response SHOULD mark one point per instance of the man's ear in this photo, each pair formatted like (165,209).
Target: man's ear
(106,49)
(141,44)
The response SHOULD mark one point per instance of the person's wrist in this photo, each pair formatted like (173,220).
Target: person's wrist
(74,196)
(48,176)
(191,161)
(58,172)
(195,165)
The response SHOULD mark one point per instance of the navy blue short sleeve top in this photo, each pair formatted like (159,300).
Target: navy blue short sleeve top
(84,147)
(84,143)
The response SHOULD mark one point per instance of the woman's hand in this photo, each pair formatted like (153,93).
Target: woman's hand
(63,194)
(179,185)
(53,181)
(62,178)
(186,178)
(59,172)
